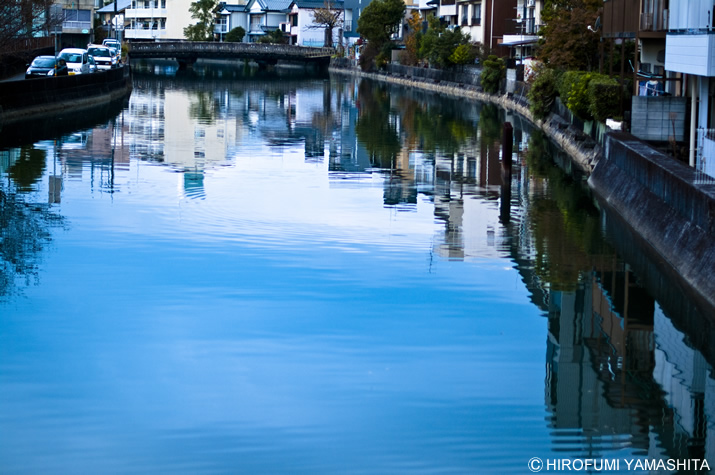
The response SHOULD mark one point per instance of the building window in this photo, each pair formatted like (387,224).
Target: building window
(294,20)
(476,14)
(163,3)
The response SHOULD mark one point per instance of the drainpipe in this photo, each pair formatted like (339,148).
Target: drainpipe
(491,27)
(694,80)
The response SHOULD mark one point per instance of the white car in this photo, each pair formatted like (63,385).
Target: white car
(102,56)
(77,60)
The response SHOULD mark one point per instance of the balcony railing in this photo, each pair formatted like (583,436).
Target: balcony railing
(525,26)
(705,163)
(654,21)
(76,25)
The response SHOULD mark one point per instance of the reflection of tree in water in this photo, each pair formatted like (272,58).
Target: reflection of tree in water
(204,107)
(439,129)
(24,226)
(28,167)
(374,127)
(564,221)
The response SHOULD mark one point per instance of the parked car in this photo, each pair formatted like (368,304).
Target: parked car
(112,42)
(77,60)
(92,65)
(117,52)
(102,56)
(43,66)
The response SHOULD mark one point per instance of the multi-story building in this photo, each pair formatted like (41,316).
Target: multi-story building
(690,50)
(483,20)
(301,26)
(77,22)
(157,19)
(266,16)
(521,33)
(230,16)
(112,17)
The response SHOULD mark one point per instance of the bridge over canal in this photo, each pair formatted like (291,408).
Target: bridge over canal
(187,52)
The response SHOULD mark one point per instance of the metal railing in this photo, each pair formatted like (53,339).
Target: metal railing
(705,156)
(524,26)
(76,25)
(213,49)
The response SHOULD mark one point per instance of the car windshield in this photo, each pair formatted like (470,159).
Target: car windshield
(44,62)
(99,51)
(72,57)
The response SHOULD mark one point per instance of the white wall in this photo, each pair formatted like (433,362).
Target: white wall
(690,54)
(689,14)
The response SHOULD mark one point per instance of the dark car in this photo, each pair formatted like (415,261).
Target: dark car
(43,66)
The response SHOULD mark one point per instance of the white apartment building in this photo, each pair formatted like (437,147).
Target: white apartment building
(690,49)
(157,19)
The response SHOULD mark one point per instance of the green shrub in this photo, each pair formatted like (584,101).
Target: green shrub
(604,95)
(236,35)
(579,102)
(464,54)
(543,92)
(493,72)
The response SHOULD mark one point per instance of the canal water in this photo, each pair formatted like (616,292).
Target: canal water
(235,272)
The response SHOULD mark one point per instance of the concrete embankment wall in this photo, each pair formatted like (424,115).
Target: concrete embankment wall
(25,99)
(662,200)
(659,198)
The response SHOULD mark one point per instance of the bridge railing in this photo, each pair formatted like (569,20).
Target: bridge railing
(166,48)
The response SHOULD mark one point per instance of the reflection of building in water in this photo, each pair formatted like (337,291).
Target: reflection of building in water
(467,188)
(620,375)
(687,380)
(194,184)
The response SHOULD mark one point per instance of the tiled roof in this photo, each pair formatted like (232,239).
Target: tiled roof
(335,4)
(121,6)
(277,5)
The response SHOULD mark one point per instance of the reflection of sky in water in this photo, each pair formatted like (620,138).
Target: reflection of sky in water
(250,311)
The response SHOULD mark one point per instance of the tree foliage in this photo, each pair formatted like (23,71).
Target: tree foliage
(203,29)
(543,92)
(445,48)
(274,37)
(328,17)
(566,41)
(493,72)
(236,35)
(24,20)
(380,20)
(413,37)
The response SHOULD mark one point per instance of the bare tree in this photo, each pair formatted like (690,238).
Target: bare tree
(23,22)
(328,18)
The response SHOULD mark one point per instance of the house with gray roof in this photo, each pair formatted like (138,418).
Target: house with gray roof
(230,16)
(265,16)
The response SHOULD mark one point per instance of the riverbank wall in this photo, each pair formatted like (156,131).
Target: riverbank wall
(37,98)
(666,204)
